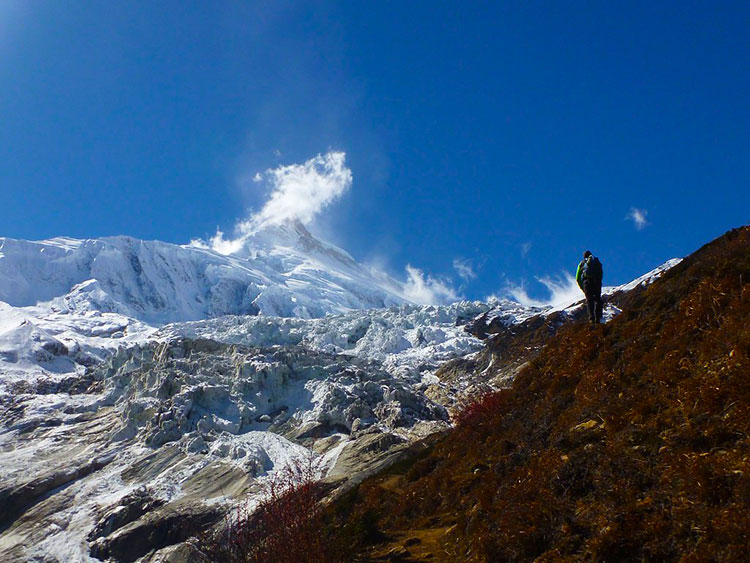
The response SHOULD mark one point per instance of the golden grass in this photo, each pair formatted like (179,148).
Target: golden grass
(627,442)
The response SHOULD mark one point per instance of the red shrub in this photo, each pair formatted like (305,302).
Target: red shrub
(478,409)
(283,528)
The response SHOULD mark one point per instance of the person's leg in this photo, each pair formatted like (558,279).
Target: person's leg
(591,305)
(599,308)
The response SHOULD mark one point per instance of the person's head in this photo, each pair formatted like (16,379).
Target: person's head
(586,254)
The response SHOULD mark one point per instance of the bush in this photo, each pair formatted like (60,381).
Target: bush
(477,409)
(283,528)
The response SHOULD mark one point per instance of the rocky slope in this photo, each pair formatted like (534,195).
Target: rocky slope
(192,423)
(197,418)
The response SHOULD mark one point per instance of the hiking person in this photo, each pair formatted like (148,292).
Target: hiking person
(589,278)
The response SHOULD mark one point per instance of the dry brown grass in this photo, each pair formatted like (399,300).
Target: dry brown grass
(627,442)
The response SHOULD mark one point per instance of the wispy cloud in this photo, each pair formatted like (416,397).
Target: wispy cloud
(563,291)
(426,290)
(464,268)
(297,192)
(638,216)
(301,191)
(525,248)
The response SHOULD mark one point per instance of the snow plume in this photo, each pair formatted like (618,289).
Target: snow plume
(464,268)
(563,291)
(638,216)
(426,290)
(224,246)
(301,191)
(298,192)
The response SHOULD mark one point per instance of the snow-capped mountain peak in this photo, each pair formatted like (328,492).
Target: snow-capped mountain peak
(279,270)
(291,236)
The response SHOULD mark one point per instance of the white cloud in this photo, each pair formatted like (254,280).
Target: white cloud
(464,268)
(638,216)
(525,248)
(562,290)
(301,191)
(427,290)
(298,192)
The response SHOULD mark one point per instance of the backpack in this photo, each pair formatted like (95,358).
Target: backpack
(592,270)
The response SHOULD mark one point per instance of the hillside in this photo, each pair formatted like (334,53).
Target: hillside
(630,441)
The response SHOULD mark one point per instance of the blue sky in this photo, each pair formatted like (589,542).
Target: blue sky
(507,137)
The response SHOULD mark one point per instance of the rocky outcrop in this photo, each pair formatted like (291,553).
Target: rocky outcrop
(16,499)
(129,508)
(169,525)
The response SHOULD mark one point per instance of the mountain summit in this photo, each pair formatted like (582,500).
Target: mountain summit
(277,270)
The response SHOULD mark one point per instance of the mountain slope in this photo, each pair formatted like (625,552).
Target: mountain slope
(68,304)
(279,270)
(628,442)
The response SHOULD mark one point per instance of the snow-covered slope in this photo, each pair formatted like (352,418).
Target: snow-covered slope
(278,270)
(66,304)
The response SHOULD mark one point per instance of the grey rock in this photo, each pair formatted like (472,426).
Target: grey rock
(168,525)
